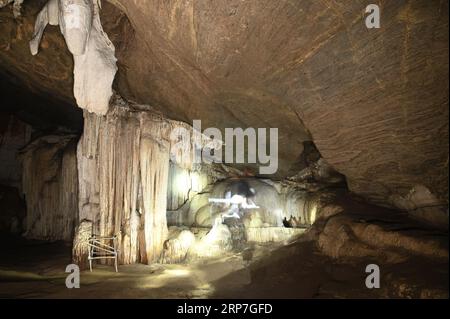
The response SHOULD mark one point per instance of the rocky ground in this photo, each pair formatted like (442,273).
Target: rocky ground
(314,265)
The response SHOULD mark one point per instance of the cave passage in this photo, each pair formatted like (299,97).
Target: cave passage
(244,150)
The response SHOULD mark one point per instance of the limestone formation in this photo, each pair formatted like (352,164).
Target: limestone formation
(123,170)
(275,202)
(93,52)
(177,246)
(271,234)
(80,248)
(216,242)
(361,116)
(344,238)
(359,231)
(50,187)
(386,136)
(422,204)
(301,206)
(16,6)
(185,183)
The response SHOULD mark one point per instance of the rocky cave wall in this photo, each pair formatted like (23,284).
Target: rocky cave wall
(50,187)
(24,118)
(374,115)
(14,135)
(276,201)
(375,102)
(93,53)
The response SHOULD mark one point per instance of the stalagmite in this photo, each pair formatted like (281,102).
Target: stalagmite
(93,52)
(154,170)
(344,236)
(80,249)
(177,246)
(216,242)
(50,187)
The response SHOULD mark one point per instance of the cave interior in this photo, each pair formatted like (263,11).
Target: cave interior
(100,102)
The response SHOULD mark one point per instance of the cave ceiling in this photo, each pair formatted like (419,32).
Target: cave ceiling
(374,102)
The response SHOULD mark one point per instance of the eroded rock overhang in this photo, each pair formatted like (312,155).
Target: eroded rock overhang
(353,93)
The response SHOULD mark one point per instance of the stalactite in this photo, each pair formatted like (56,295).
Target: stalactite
(50,187)
(179,186)
(301,206)
(305,207)
(154,170)
(93,52)
(123,167)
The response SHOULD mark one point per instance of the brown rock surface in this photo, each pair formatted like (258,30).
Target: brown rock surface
(353,229)
(375,102)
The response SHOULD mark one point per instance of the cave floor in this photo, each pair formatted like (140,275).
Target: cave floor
(35,269)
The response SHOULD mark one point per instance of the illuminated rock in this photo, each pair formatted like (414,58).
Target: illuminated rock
(422,204)
(176,247)
(123,168)
(382,136)
(93,52)
(271,234)
(217,241)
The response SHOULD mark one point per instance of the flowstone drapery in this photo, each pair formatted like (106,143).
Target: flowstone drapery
(49,182)
(123,167)
(93,52)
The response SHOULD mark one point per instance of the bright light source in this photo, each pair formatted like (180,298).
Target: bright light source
(313,213)
(279,216)
(182,182)
(196,182)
